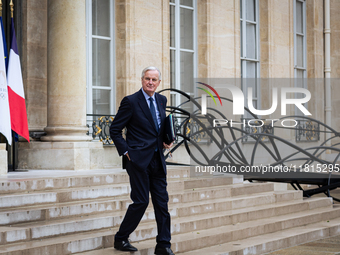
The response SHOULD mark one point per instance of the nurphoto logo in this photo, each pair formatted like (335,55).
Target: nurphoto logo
(238,100)
(238,104)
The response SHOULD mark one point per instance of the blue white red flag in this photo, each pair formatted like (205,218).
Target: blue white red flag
(16,93)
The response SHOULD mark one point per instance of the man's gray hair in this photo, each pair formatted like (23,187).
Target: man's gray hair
(152,68)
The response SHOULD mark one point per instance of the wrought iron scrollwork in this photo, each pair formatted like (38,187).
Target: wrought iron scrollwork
(258,127)
(101,128)
(195,132)
(307,131)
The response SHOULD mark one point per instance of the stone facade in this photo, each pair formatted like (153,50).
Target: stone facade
(3,159)
(54,72)
(142,39)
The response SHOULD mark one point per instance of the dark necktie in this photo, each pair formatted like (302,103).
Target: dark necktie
(153,113)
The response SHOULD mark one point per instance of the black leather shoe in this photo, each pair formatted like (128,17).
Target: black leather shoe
(163,251)
(124,246)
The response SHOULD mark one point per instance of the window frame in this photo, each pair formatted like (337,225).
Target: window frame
(304,19)
(243,54)
(297,81)
(178,49)
(89,62)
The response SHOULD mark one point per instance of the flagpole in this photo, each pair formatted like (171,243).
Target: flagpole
(13,133)
(12,8)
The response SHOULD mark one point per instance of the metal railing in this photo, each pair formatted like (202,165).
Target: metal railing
(258,128)
(99,127)
(307,131)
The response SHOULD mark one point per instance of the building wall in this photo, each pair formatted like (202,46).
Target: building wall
(335,63)
(142,39)
(218,39)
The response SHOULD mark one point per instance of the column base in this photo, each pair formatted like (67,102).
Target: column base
(3,159)
(66,156)
(66,134)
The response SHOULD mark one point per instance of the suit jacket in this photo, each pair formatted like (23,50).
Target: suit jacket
(142,137)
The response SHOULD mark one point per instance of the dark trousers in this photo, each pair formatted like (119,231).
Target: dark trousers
(152,180)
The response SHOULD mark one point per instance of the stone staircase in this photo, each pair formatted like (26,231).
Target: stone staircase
(219,215)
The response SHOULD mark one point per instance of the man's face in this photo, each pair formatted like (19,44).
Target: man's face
(150,82)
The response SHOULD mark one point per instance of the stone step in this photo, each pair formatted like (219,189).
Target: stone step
(259,203)
(77,181)
(89,192)
(63,195)
(45,229)
(103,205)
(30,210)
(73,194)
(114,190)
(199,182)
(44,184)
(277,227)
(232,222)
(257,245)
(267,243)
(200,239)
(62,245)
(198,194)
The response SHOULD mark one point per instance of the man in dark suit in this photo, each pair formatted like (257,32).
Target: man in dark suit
(143,114)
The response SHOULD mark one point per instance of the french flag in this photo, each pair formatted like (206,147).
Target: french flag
(16,93)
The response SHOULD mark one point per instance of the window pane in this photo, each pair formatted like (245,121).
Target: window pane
(187,29)
(101,101)
(187,71)
(241,9)
(173,100)
(172,1)
(172,27)
(101,17)
(101,62)
(299,16)
(299,50)
(250,10)
(300,83)
(255,104)
(251,82)
(242,53)
(186,2)
(251,41)
(172,69)
(299,74)
(251,72)
(243,74)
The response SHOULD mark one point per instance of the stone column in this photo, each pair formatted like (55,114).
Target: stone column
(66,145)
(66,89)
(34,62)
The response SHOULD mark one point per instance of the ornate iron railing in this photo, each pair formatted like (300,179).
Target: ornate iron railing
(307,131)
(257,128)
(100,127)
